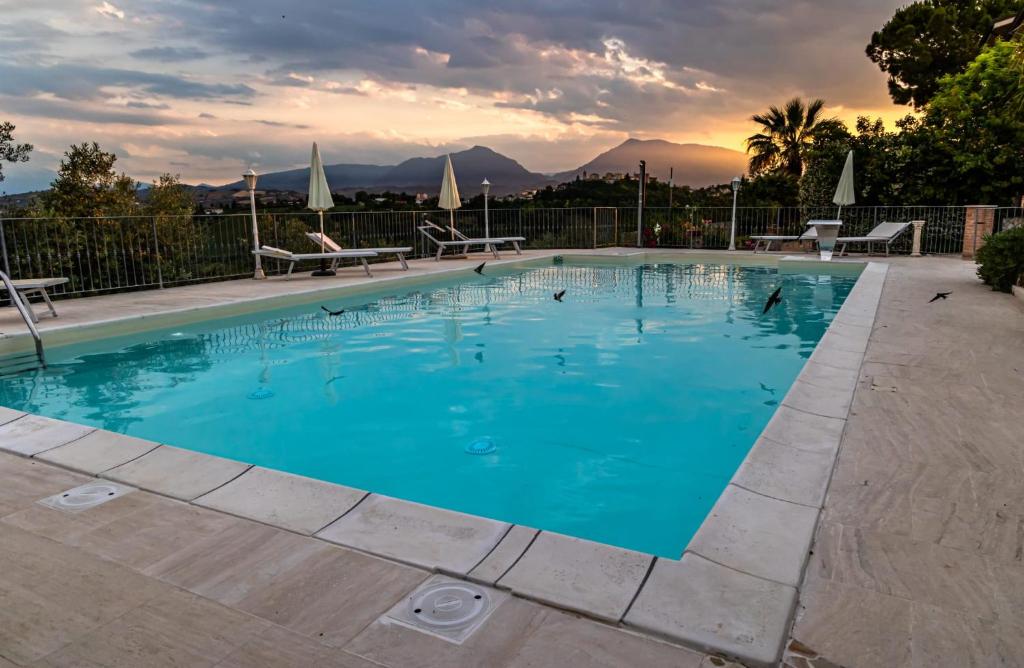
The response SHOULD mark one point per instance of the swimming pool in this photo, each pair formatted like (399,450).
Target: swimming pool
(617,415)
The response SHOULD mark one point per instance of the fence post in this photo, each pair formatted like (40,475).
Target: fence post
(595,227)
(918,226)
(978,222)
(3,248)
(156,246)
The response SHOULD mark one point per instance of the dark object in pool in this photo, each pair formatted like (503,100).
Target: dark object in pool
(940,295)
(559,295)
(330,312)
(261,393)
(480,269)
(775,299)
(558,259)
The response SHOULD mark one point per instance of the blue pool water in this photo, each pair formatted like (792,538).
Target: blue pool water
(618,415)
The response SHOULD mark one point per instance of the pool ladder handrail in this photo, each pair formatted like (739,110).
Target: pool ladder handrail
(16,299)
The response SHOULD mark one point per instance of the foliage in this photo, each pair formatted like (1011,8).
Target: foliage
(786,135)
(1001,259)
(9,151)
(87,185)
(929,39)
(168,197)
(973,117)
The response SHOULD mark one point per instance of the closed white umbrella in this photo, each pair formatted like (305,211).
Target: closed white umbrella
(844,191)
(449,198)
(319,200)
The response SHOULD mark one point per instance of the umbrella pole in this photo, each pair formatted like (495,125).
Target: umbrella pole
(452,226)
(323,270)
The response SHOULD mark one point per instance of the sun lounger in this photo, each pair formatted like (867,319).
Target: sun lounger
(810,234)
(463,242)
(334,257)
(884,233)
(497,240)
(36,287)
(331,244)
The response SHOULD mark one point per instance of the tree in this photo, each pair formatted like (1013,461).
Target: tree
(974,116)
(929,39)
(87,185)
(9,151)
(168,197)
(786,136)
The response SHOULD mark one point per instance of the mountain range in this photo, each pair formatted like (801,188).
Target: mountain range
(695,165)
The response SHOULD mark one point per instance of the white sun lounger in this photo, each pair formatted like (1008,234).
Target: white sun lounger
(334,257)
(884,233)
(462,242)
(36,287)
(810,234)
(497,240)
(330,243)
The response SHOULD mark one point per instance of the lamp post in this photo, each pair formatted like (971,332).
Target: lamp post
(487,227)
(732,230)
(250,183)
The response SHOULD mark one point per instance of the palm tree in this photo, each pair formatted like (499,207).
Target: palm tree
(785,136)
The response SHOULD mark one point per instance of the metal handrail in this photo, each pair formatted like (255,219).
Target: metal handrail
(25,315)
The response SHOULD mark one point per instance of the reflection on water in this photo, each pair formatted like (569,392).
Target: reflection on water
(645,387)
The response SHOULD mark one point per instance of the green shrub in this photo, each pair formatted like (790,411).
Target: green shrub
(1001,259)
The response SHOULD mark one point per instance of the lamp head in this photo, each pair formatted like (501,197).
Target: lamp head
(486,186)
(736,183)
(250,179)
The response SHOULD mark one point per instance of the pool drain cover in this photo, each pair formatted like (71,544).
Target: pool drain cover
(85,496)
(482,446)
(448,608)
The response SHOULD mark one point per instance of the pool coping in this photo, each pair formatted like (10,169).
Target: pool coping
(732,592)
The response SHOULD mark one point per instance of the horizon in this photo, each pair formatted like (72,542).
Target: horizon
(205,91)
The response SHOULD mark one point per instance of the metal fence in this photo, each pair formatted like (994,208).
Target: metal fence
(100,255)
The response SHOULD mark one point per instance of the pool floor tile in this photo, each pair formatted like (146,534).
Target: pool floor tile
(33,434)
(299,504)
(595,579)
(416,534)
(98,451)
(181,474)
(756,534)
(710,606)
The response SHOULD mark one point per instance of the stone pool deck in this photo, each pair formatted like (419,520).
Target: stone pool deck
(202,586)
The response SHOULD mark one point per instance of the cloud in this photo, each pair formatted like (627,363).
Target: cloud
(170,54)
(278,124)
(109,10)
(74,81)
(77,111)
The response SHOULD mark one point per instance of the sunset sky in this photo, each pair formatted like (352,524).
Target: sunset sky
(207,89)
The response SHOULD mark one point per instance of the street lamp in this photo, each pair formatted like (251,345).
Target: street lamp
(487,188)
(732,231)
(250,183)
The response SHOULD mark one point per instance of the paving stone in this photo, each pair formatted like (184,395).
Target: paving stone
(850,626)
(275,647)
(25,481)
(53,594)
(98,451)
(709,606)
(511,547)
(596,579)
(175,629)
(181,474)
(782,472)
(33,434)
(9,415)
(804,431)
(757,534)
(299,504)
(416,534)
(819,400)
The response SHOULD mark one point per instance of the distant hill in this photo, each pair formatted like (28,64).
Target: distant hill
(696,165)
(416,174)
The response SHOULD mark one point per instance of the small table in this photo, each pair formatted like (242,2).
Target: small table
(28,287)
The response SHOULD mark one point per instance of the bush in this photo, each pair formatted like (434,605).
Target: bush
(1001,259)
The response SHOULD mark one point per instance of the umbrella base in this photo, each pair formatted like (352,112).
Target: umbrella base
(324,272)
